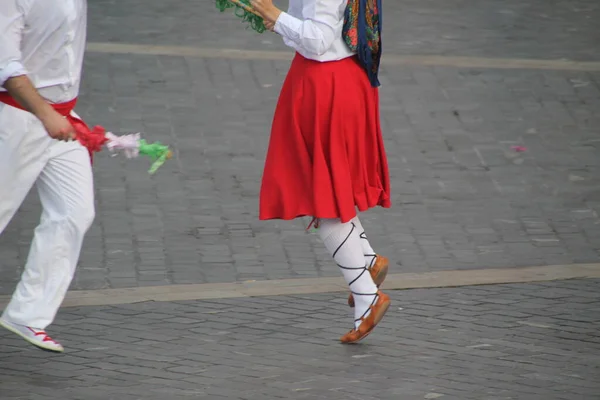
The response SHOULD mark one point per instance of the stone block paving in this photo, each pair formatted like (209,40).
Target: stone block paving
(462,196)
(521,341)
(486,28)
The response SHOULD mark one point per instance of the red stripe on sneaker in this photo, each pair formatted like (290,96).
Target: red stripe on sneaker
(46,337)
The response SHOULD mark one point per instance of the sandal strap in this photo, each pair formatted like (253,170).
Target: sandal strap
(362,317)
(345,240)
(363,235)
(342,267)
(363,270)
(373,259)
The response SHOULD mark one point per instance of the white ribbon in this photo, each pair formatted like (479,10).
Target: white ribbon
(126,144)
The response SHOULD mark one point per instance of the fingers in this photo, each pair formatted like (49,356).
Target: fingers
(270,25)
(63,137)
(67,135)
(256,5)
(261,6)
(267,11)
(70,133)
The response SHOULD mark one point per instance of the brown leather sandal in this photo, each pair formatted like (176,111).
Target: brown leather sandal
(378,273)
(380,305)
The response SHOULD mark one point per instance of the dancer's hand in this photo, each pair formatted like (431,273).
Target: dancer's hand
(267,10)
(57,126)
(270,26)
(23,91)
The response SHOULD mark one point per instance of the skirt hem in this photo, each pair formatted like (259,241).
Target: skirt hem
(291,217)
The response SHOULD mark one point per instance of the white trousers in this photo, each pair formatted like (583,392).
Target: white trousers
(62,174)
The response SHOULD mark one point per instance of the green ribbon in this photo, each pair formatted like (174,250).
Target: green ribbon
(157,152)
(255,22)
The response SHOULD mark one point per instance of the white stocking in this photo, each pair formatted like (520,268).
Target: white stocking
(368,251)
(344,244)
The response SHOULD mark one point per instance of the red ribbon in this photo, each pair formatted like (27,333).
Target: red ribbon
(91,139)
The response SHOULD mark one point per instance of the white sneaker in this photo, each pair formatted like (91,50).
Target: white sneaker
(36,337)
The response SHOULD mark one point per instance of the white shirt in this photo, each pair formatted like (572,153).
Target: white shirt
(44,39)
(314,29)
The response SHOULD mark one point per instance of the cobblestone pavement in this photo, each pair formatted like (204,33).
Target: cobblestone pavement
(531,341)
(512,28)
(462,196)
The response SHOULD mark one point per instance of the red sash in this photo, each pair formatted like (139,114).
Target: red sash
(91,139)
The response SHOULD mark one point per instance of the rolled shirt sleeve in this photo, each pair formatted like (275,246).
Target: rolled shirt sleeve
(317,33)
(11,29)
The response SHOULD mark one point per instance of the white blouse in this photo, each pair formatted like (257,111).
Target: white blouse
(314,29)
(44,39)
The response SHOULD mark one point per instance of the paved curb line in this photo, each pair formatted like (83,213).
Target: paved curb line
(388,59)
(453,278)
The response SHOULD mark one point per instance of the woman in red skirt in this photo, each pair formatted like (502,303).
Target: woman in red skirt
(326,157)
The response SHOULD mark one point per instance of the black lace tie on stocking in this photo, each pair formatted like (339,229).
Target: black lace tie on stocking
(362,269)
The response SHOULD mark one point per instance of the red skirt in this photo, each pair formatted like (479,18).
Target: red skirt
(326,156)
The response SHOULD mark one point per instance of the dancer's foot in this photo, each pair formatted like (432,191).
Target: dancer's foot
(368,322)
(36,337)
(378,272)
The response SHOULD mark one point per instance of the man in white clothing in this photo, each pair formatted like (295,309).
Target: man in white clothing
(42,43)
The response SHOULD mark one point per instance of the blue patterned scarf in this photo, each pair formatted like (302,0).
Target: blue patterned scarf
(362,33)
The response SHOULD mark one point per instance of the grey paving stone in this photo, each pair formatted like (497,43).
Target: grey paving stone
(463,343)
(462,197)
